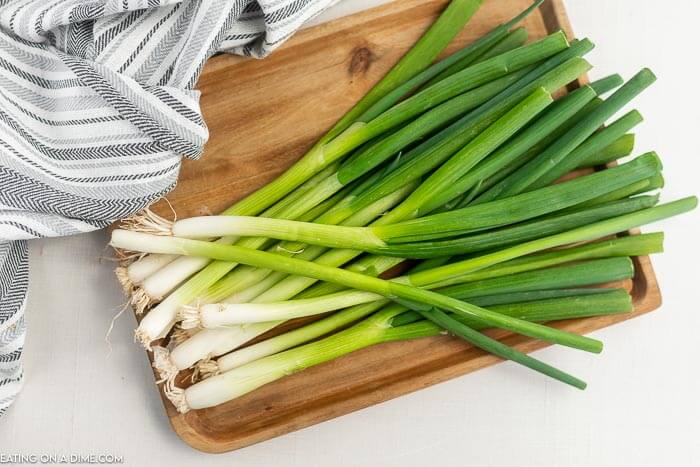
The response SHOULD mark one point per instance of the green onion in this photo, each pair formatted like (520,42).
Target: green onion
(592,146)
(221,388)
(635,245)
(375,329)
(330,152)
(243,277)
(469,78)
(421,55)
(518,233)
(434,151)
(374,154)
(531,176)
(534,296)
(553,118)
(130,240)
(488,178)
(138,271)
(465,57)
(214,342)
(586,303)
(510,61)
(158,244)
(580,234)
(497,348)
(229,289)
(467,332)
(542,306)
(479,148)
(606,84)
(515,38)
(459,163)
(347,136)
(643,186)
(551,75)
(221,314)
(418,58)
(618,149)
(394,290)
(596,271)
(608,301)
(496,213)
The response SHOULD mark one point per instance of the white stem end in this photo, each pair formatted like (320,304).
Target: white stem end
(122,274)
(177,397)
(148,222)
(179,335)
(140,300)
(168,373)
(190,317)
(142,338)
(206,369)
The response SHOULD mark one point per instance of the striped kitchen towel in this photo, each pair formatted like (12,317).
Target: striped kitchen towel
(97,106)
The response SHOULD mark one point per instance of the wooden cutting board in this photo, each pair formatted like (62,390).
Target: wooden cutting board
(262,116)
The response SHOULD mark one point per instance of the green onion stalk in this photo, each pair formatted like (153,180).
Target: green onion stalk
(241,278)
(216,315)
(434,152)
(581,302)
(480,49)
(421,55)
(215,342)
(218,341)
(147,243)
(471,219)
(228,289)
(242,285)
(519,233)
(529,140)
(453,163)
(622,147)
(284,290)
(120,238)
(557,159)
(380,328)
(637,245)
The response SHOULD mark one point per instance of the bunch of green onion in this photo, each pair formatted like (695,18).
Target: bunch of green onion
(453,165)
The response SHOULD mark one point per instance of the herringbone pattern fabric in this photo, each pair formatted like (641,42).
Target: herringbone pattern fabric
(97,106)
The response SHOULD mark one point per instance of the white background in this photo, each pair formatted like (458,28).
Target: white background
(641,407)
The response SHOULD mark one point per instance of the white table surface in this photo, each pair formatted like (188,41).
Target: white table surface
(641,407)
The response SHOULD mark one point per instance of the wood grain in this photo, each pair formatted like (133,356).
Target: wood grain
(262,116)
